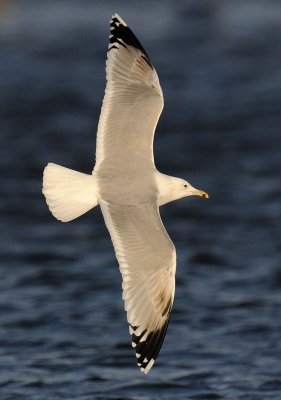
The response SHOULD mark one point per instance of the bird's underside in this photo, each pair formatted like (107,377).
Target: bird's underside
(131,108)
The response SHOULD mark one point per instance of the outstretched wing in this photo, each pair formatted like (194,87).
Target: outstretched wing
(133,99)
(147,260)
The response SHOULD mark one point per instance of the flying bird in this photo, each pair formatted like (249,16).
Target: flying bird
(129,189)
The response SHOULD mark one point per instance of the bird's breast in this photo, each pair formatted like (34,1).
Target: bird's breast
(126,186)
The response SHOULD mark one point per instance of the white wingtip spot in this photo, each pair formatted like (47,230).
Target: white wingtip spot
(138,355)
(120,19)
(134,344)
(149,366)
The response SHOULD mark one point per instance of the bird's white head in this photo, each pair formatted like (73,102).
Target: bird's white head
(172,188)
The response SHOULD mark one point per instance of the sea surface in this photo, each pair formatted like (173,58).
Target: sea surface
(63,331)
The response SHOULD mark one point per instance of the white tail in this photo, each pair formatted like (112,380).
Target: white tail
(68,193)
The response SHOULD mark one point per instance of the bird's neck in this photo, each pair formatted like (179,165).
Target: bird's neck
(167,188)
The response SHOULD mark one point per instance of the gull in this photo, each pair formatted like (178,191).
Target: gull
(129,189)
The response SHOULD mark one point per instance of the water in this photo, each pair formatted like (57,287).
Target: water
(63,331)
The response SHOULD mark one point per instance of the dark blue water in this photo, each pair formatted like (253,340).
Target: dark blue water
(63,331)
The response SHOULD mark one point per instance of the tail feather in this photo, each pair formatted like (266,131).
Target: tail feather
(68,193)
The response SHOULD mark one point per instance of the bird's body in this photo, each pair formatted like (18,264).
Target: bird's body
(129,189)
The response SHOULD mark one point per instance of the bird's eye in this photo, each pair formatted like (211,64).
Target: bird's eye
(185,186)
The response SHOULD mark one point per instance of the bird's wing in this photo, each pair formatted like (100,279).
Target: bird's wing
(133,99)
(147,260)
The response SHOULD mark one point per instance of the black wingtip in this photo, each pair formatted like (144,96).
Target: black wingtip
(148,350)
(121,35)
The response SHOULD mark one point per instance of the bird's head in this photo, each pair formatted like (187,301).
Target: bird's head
(188,190)
(172,188)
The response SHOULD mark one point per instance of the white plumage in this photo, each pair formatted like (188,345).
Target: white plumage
(68,193)
(129,190)
(147,260)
